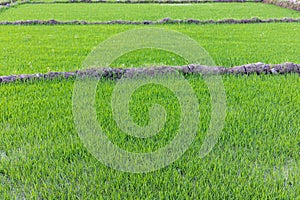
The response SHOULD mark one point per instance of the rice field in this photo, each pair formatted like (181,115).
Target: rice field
(43,157)
(140,12)
(30,49)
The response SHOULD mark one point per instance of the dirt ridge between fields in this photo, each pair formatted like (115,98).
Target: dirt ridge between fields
(10,3)
(290,4)
(148,22)
(117,73)
(147,1)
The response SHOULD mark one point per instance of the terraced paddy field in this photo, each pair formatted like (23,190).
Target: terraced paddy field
(43,157)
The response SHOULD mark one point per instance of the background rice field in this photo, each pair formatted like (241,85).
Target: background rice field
(140,12)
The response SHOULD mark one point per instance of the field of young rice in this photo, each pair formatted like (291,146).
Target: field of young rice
(30,49)
(43,157)
(140,12)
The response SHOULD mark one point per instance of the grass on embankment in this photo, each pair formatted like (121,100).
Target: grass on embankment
(141,12)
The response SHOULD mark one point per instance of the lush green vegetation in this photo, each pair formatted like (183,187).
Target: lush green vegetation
(140,12)
(42,156)
(257,155)
(30,49)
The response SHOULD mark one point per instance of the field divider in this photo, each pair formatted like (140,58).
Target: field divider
(149,22)
(148,1)
(290,4)
(7,4)
(116,73)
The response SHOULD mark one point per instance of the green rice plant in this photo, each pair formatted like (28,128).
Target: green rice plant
(256,156)
(140,12)
(32,49)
